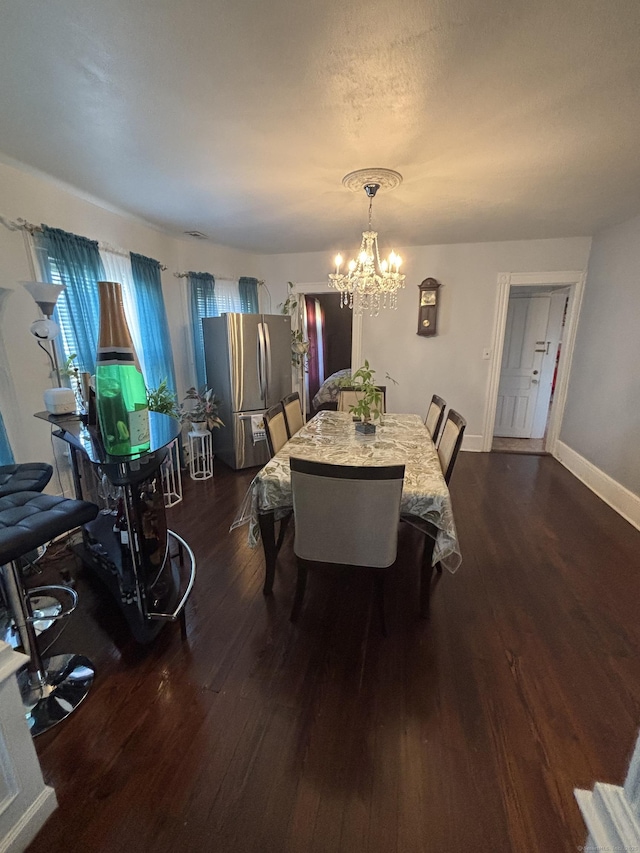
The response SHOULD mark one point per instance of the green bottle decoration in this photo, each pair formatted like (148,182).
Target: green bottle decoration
(121,396)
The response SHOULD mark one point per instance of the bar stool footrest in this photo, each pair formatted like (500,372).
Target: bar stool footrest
(53,587)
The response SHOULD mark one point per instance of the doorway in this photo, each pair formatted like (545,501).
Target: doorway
(532,345)
(328,330)
(527,389)
(340,338)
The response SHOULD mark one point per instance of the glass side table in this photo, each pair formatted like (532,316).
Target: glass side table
(200,454)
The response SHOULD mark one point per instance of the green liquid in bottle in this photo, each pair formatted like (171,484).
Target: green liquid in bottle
(121,400)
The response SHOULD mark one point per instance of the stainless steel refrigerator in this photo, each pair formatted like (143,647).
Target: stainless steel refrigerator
(248,363)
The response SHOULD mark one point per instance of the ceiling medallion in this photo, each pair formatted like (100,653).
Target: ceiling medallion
(369,283)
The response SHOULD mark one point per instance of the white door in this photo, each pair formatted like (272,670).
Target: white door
(525,345)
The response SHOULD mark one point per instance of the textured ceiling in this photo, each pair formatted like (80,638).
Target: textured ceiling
(508,119)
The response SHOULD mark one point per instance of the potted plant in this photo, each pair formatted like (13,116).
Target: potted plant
(368,407)
(162,399)
(201,410)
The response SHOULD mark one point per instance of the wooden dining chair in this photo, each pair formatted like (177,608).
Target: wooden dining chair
(447,449)
(450,441)
(349,397)
(346,515)
(275,427)
(435,416)
(293,413)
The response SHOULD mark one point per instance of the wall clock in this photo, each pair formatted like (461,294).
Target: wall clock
(428,307)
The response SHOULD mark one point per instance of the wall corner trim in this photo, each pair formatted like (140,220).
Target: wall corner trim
(618,497)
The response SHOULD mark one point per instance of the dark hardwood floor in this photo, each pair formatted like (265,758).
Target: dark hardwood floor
(468,732)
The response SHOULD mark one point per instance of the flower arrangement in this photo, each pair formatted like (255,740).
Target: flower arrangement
(203,408)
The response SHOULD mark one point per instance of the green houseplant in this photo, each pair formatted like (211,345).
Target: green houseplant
(368,407)
(201,410)
(162,399)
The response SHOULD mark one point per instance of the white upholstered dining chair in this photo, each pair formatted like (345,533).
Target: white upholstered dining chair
(435,416)
(275,428)
(293,413)
(349,397)
(450,442)
(346,515)
(447,449)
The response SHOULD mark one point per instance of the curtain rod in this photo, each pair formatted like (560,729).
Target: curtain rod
(220,277)
(19,225)
(22,225)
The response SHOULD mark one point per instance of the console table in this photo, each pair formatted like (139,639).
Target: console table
(143,563)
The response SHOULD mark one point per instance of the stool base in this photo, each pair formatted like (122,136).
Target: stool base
(66,681)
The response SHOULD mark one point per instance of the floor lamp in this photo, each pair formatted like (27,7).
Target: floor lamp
(45,296)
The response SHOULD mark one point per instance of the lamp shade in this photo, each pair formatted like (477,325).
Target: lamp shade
(45,295)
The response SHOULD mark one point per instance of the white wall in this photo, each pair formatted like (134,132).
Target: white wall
(31,197)
(449,364)
(602,413)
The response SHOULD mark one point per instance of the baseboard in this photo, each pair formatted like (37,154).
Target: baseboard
(473,443)
(31,822)
(618,497)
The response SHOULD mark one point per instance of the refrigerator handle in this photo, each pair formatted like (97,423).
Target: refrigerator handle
(268,355)
(260,357)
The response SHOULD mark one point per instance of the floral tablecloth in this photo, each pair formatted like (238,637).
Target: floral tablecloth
(331,437)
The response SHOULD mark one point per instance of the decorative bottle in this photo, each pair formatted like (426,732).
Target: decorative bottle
(121,395)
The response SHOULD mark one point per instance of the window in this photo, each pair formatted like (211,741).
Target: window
(212,297)
(79,264)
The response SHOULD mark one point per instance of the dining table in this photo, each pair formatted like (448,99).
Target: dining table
(331,437)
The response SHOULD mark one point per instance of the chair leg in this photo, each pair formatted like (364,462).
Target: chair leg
(301,585)
(379,593)
(284,523)
(426,570)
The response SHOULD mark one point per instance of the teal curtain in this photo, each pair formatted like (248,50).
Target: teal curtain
(6,455)
(202,287)
(248,294)
(152,322)
(75,262)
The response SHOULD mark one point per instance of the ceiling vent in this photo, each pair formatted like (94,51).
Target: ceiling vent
(197,234)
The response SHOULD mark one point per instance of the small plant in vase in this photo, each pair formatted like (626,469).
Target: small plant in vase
(368,407)
(162,399)
(201,411)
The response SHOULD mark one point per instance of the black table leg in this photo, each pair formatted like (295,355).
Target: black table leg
(267,524)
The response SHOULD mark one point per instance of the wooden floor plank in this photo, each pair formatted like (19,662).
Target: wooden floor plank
(466,731)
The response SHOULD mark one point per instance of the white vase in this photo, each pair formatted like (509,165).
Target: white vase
(198,426)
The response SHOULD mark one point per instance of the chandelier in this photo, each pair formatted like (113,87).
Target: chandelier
(368,283)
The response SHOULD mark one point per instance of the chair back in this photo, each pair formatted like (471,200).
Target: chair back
(349,397)
(346,514)
(275,428)
(435,416)
(293,413)
(450,442)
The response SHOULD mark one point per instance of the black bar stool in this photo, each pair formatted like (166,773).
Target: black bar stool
(51,689)
(27,477)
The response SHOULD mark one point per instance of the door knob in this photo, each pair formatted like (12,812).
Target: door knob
(534,381)
(535,372)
